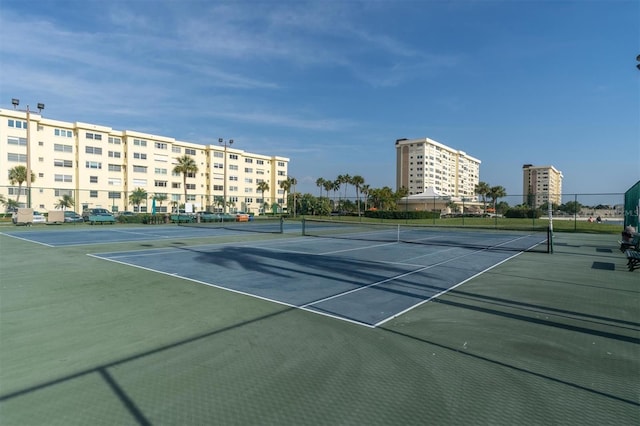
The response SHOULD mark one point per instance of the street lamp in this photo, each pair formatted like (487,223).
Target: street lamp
(15,102)
(224,187)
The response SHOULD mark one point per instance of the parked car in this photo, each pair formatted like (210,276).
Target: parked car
(96,212)
(242,217)
(71,217)
(39,217)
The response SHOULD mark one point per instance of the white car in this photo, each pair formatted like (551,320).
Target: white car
(39,217)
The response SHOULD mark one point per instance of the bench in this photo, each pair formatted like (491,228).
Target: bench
(101,219)
(182,218)
(633,259)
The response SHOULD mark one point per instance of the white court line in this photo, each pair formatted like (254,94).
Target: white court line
(27,240)
(309,306)
(443,291)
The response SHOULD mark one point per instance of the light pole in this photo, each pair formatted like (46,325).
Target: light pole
(224,186)
(15,102)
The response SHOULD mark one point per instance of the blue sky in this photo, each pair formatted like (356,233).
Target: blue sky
(332,84)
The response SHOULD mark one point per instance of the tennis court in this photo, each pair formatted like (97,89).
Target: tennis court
(361,273)
(183,329)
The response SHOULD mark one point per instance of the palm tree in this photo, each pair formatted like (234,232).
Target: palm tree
(365,190)
(285,185)
(263,187)
(328,186)
(186,165)
(160,198)
(357,181)
(496,192)
(65,202)
(335,187)
(482,189)
(18,174)
(137,197)
(346,180)
(320,184)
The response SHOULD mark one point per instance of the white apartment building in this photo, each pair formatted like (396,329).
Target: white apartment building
(541,184)
(425,163)
(99,167)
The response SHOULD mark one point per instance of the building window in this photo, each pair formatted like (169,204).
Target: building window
(139,169)
(114,181)
(62,178)
(63,133)
(233,156)
(139,182)
(160,145)
(18,124)
(160,183)
(160,171)
(259,162)
(139,142)
(12,140)
(188,151)
(191,186)
(139,155)
(248,160)
(62,192)
(176,149)
(93,150)
(93,165)
(21,158)
(280,163)
(175,185)
(62,148)
(115,141)
(93,179)
(93,136)
(62,163)
(115,194)
(114,154)
(218,154)
(115,167)
(93,194)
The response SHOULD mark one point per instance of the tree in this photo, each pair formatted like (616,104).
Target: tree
(345,180)
(186,165)
(263,187)
(320,184)
(18,174)
(496,192)
(357,181)
(160,198)
(293,182)
(482,189)
(11,205)
(285,185)
(65,202)
(137,197)
(365,190)
(328,186)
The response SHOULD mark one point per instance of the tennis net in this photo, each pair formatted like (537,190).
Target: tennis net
(529,239)
(269,225)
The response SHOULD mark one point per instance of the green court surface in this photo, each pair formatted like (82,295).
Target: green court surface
(541,339)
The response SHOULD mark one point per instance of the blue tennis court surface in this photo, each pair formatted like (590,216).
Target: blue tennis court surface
(362,282)
(88,235)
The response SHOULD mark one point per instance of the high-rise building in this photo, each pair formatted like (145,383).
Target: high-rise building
(540,185)
(98,166)
(425,163)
